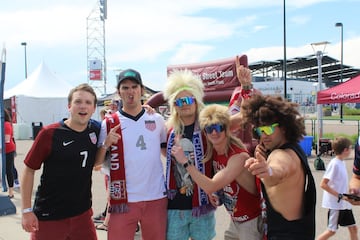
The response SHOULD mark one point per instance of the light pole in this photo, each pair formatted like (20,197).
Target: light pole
(339,24)
(24,44)
(319,55)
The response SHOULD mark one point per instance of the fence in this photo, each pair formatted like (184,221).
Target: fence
(333,126)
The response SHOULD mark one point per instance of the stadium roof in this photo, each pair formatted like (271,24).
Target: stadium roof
(307,68)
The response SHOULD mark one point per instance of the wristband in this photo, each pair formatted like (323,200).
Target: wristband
(188,163)
(27,210)
(340,196)
(103,145)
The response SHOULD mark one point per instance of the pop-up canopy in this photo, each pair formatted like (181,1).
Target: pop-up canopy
(347,92)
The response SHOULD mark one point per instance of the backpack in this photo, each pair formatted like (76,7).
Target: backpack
(319,164)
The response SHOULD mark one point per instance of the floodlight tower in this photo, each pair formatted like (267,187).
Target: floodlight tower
(96,61)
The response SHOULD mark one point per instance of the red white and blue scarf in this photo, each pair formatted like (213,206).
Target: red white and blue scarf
(118,192)
(200,201)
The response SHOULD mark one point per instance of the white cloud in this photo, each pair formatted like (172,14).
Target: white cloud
(300,19)
(151,35)
(190,53)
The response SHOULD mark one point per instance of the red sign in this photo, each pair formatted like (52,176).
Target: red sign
(95,74)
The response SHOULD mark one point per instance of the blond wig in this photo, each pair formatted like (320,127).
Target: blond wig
(178,81)
(218,114)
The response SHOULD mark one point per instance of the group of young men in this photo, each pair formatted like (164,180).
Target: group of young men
(206,165)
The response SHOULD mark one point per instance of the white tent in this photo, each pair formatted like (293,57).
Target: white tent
(39,99)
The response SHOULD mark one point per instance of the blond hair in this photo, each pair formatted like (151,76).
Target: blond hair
(213,114)
(178,81)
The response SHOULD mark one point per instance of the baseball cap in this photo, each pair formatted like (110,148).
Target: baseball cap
(129,74)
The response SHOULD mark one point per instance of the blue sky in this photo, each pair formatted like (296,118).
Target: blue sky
(150,35)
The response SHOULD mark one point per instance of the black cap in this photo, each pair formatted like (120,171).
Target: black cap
(129,74)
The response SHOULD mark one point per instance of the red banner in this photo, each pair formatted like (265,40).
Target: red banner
(216,75)
(95,74)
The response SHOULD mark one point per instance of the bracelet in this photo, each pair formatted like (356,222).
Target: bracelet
(103,145)
(27,210)
(188,163)
(340,196)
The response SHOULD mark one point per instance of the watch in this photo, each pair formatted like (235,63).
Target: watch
(340,196)
(188,163)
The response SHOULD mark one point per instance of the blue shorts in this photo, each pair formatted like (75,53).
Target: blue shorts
(182,225)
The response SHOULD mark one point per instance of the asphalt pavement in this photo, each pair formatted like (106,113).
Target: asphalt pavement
(10,225)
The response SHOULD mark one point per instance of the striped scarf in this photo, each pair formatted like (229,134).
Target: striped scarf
(118,192)
(200,201)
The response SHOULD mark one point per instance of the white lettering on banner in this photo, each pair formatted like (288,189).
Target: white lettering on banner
(217,75)
(345,96)
(216,82)
(114,161)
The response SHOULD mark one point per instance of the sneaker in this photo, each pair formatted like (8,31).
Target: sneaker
(99,218)
(16,183)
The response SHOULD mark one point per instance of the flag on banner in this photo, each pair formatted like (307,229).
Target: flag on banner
(3,154)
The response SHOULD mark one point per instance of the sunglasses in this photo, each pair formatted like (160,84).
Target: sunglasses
(184,101)
(217,127)
(268,130)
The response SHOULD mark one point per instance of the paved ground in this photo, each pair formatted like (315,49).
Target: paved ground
(10,225)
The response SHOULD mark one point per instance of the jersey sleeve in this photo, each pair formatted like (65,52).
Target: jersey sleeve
(40,149)
(163,134)
(103,133)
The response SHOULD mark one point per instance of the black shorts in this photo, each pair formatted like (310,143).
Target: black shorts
(344,218)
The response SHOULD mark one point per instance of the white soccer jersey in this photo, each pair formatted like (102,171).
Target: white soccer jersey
(142,138)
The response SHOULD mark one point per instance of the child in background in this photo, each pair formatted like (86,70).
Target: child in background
(334,183)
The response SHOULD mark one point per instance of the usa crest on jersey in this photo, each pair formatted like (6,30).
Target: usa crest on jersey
(150,125)
(93,137)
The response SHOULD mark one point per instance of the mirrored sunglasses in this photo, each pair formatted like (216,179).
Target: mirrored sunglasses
(184,101)
(268,130)
(217,127)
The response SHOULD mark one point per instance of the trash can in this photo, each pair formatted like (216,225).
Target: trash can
(36,127)
(306,144)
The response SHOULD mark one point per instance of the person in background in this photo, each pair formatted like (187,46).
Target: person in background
(240,190)
(15,172)
(10,148)
(242,93)
(66,152)
(287,182)
(190,212)
(354,184)
(103,218)
(114,106)
(335,183)
(137,183)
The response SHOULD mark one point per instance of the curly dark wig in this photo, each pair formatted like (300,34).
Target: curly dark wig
(262,110)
